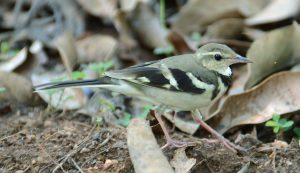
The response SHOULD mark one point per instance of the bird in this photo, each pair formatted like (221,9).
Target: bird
(184,82)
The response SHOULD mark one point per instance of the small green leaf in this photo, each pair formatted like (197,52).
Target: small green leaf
(146,111)
(276,129)
(2,89)
(125,120)
(164,51)
(4,47)
(276,117)
(297,131)
(271,123)
(288,124)
(77,75)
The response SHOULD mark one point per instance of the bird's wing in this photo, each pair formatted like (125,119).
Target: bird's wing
(164,75)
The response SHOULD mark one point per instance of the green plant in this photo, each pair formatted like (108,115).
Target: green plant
(164,51)
(162,13)
(2,89)
(125,120)
(101,67)
(297,131)
(6,51)
(279,124)
(77,75)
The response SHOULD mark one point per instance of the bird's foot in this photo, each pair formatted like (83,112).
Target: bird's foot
(177,144)
(226,143)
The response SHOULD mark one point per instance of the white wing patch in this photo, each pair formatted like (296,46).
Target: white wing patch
(199,84)
(143,79)
(168,75)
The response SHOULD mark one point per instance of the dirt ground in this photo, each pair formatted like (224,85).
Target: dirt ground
(35,140)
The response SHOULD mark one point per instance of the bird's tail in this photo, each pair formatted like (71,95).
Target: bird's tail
(74,84)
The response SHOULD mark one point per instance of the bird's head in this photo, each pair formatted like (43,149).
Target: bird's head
(218,57)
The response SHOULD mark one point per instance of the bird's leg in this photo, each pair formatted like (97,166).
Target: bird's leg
(169,141)
(198,118)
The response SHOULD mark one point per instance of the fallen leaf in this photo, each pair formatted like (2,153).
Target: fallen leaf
(277,10)
(217,29)
(14,62)
(181,162)
(189,127)
(277,94)
(66,99)
(65,44)
(96,48)
(144,151)
(17,88)
(129,5)
(148,27)
(196,14)
(101,8)
(275,51)
(252,7)
(253,33)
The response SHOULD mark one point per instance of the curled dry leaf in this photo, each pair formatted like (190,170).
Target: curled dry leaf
(277,94)
(65,44)
(197,14)
(275,51)
(66,99)
(101,8)
(17,88)
(189,127)
(217,29)
(181,162)
(277,10)
(145,153)
(252,7)
(96,48)
(148,27)
(14,62)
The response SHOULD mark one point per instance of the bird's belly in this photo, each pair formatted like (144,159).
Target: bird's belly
(179,100)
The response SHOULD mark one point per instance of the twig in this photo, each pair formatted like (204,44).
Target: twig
(274,160)
(80,146)
(76,165)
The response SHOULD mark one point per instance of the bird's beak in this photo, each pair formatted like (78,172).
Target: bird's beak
(241,59)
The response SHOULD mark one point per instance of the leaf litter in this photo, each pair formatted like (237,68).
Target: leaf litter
(75,141)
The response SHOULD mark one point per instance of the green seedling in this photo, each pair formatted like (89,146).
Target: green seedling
(164,51)
(6,51)
(77,75)
(99,122)
(2,89)
(297,131)
(279,124)
(108,104)
(101,67)
(125,120)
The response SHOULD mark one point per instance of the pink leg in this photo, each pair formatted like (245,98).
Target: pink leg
(169,141)
(197,117)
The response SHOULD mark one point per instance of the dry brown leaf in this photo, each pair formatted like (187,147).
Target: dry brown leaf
(145,153)
(66,99)
(17,88)
(65,44)
(275,51)
(253,33)
(148,27)
(217,29)
(101,8)
(277,94)
(197,14)
(277,10)
(14,62)
(96,48)
(252,7)
(181,162)
(129,5)
(189,127)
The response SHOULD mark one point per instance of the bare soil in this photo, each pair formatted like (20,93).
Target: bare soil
(38,140)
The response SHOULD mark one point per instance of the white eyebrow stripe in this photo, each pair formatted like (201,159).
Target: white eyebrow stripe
(211,53)
(168,75)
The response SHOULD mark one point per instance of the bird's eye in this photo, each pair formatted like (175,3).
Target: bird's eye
(218,57)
